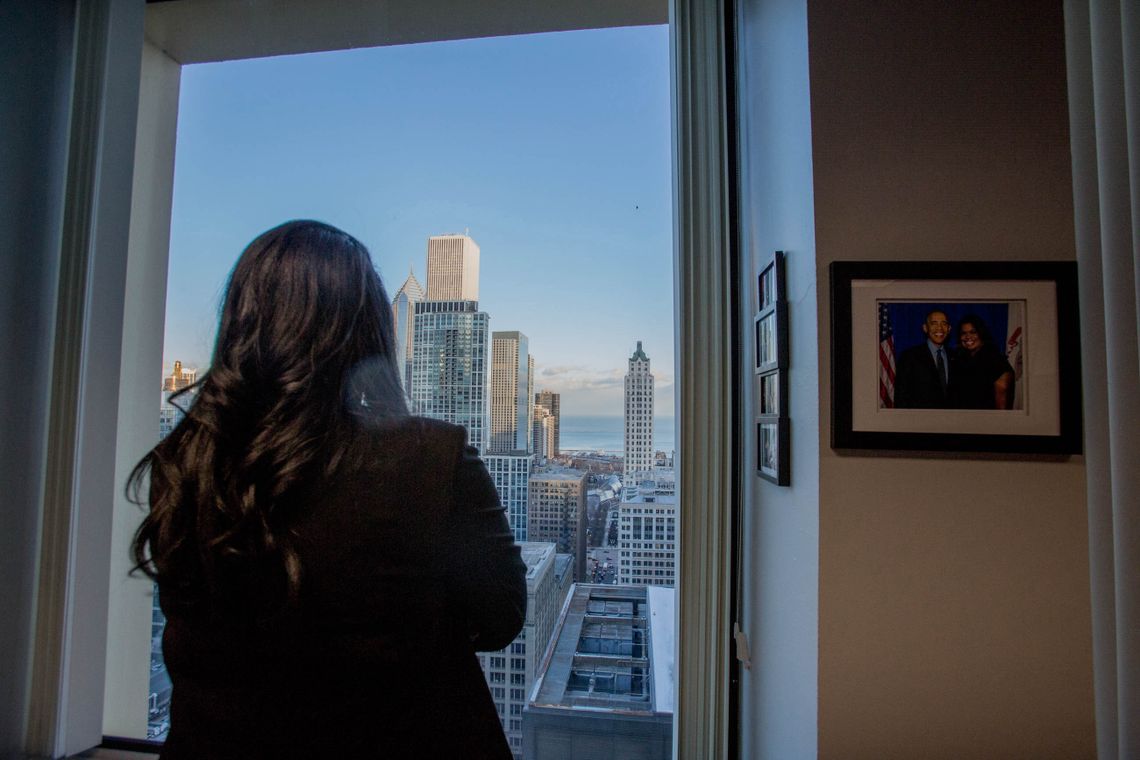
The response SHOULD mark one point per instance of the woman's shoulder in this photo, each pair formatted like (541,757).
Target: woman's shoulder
(410,433)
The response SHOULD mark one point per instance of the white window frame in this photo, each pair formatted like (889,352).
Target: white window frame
(108,336)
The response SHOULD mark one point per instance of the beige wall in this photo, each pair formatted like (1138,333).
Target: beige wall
(954,612)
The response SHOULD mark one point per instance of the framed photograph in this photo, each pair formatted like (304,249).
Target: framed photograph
(771,320)
(772,449)
(769,394)
(955,356)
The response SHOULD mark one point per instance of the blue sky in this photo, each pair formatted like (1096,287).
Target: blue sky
(553,150)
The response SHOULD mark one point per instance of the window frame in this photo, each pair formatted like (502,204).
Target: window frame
(115,256)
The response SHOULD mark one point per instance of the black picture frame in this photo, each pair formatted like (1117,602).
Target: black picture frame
(772,462)
(1039,300)
(770,331)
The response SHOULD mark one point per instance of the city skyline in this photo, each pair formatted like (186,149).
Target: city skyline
(550,151)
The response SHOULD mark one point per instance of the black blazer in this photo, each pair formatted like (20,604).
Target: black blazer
(916,379)
(408,567)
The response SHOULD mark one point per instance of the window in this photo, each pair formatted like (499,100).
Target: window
(115,689)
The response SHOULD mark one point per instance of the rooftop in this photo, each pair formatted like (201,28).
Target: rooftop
(534,555)
(556,473)
(613,650)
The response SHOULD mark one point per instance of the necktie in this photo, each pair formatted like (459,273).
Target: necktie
(940,362)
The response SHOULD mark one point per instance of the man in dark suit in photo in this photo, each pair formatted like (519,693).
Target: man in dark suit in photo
(923,371)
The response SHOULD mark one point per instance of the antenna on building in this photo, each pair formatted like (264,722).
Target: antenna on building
(467,232)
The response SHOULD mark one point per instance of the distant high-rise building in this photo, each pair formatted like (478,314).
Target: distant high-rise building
(510,396)
(638,455)
(529,400)
(510,672)
(510,473)
(403,319)
(542,434)
(452,268)
(647,531)
(606,691)
(551,402)
(180,378)
(451,352)
(171,413)
(556,511)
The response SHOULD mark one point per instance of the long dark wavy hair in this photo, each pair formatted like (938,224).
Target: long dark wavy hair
(305,362)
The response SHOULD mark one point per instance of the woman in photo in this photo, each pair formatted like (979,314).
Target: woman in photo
(328,564)
(981,377)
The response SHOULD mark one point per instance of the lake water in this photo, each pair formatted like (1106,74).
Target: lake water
(607,433)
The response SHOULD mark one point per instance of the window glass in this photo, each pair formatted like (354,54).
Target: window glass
(550,169)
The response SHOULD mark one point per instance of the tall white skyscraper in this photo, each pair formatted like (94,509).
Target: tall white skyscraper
(403,318)
(510,392)
(638,416)
(451,355)
(452,268)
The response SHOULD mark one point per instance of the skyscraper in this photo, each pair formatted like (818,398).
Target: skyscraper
(450,366)
(638,416)
(179,378)
(551,402)
(530,401)
(510,472)
(510,397)
(403,319)
(452,268)
(542,434)
(170,413)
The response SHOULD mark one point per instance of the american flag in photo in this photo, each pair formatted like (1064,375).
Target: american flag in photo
(886,359)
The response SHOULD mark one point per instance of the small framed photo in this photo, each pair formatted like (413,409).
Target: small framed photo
(772,449)
(770,287)
(769,394)
(956,356)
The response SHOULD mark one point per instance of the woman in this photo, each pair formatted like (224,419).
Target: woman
(981,377)
(328,564)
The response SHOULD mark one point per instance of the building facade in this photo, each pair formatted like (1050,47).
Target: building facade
(403,320)
(556,511)
(510,672)
(542,434)
(605,689)
(170,413)
(647,532)
(511,368)
(180,378)
(452,268)
(451,364)
(638,453)
(551,403)
(511,474)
